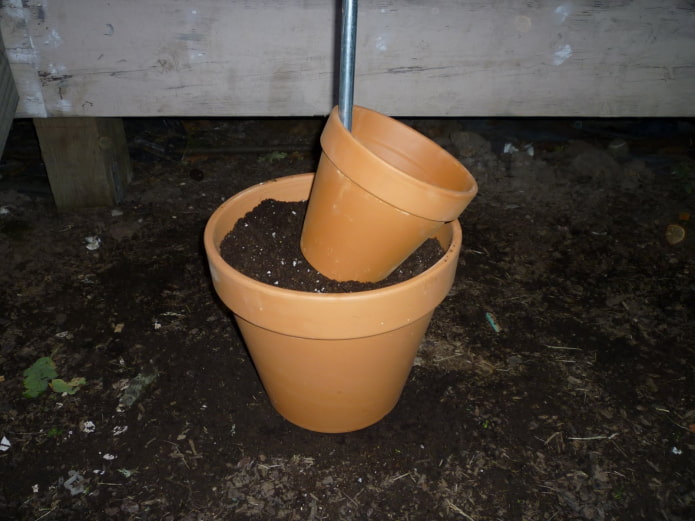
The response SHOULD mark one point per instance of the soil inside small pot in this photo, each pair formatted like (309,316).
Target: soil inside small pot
(264,245)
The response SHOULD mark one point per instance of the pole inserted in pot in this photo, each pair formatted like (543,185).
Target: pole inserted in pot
(347,62)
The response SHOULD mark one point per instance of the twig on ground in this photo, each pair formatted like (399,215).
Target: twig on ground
(550,488)
(437,360)
(666,413)
(354,502)
(458,510)
(396,478)
(44,515)
(563,347)
(595,437)
(176,453)
(551,437)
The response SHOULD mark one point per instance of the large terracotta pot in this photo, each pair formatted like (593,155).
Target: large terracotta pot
(380,191)
(333,362)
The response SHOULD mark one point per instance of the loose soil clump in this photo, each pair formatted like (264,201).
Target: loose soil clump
(265,245)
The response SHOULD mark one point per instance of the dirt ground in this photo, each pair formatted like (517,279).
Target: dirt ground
(554,383)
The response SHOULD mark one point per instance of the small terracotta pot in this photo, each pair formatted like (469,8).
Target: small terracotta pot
(331,362)
(380,191)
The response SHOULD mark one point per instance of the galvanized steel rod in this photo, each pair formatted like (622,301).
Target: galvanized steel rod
(347,62)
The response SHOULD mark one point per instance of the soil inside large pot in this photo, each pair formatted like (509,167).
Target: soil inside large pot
(264,245)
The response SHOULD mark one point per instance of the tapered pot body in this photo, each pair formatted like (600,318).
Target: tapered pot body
(330,362)
(380,191)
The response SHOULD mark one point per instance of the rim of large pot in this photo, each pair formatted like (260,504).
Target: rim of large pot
(325,315)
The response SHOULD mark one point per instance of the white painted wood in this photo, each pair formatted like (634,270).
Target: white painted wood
(275,58)
(8,97)
(23,58)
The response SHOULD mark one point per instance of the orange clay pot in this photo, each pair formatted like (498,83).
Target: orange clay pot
(330,362)
(380,191)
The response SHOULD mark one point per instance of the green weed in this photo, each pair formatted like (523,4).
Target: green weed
(43,374)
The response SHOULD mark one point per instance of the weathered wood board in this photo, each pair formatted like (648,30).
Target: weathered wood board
(86,160)
(8,97)
(274,58)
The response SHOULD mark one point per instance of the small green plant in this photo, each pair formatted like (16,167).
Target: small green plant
(54,432)
(272,157)
(71,387)
(36,378)
(619,493)
(42,374)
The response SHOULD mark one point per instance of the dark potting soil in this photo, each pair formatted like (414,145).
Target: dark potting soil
(264,245)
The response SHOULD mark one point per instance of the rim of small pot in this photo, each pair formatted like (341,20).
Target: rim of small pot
(416,175)
(321,315)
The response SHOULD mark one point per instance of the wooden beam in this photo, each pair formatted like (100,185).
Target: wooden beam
(579,58)
(86,159)
(8,97)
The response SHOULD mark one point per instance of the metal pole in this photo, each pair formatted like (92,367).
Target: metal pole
(347,62)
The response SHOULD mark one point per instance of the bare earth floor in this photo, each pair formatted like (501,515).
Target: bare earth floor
(555,381)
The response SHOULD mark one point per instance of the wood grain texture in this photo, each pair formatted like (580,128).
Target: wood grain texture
(9,98)
(86,160)
(272,58)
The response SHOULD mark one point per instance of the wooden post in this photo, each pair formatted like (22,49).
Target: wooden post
(86,159)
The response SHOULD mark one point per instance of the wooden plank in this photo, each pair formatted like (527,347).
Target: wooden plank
(23,57)
(8,97)
(86,159)
(437,58)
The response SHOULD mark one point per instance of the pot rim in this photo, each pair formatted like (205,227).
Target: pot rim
(431,286)
(400,188)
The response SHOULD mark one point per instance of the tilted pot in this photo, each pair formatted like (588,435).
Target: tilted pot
(380,191)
